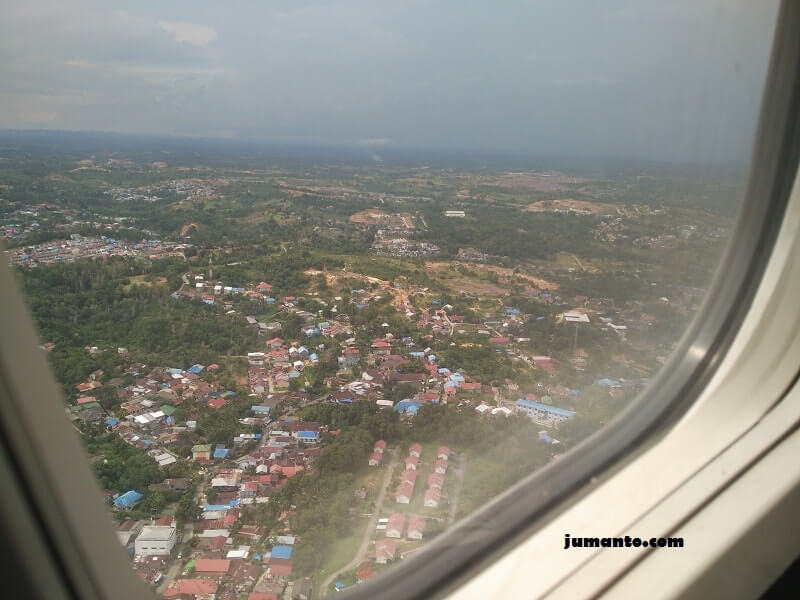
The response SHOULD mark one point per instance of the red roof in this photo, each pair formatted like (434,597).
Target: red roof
(86,399)
(218,543)
(213,367)
(416,447)
(195,587)
(212,565)
(280,570)
(416,524)
(216,402)
(404,489)
(376,456)
(396,521)
(262,596)
(365,573)
(380,444)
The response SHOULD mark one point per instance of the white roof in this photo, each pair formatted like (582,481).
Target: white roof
(576,317)
(156,533)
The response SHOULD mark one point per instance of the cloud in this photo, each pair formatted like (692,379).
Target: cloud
(191,33)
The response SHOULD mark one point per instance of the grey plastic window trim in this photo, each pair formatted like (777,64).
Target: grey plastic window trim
(53,476)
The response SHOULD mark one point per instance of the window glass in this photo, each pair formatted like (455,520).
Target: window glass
(321,279)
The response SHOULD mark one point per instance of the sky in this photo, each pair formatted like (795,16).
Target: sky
(676,81)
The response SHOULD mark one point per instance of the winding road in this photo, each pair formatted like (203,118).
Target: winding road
(370,529)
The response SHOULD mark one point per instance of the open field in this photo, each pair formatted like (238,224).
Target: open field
(570,204)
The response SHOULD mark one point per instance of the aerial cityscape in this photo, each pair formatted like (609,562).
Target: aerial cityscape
(291,373)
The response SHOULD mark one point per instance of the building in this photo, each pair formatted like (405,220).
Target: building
(415,450)
(443,453)
(416,528)
(201,452)
(127,500)
(432,498)
(395,526)
(197,588)
(543,413)
(403,493)
(440,467)
(412,462)
(455,213)
(212,566)
(375,459)
(155,540)
(385,551)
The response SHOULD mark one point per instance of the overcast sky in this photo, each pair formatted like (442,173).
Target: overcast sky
(679,79)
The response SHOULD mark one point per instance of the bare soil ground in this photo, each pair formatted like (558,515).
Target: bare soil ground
(596,208)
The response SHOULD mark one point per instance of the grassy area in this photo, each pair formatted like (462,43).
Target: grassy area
(341,552)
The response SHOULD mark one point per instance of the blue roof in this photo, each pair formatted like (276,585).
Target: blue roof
(456,377)
(269,300)
(284,552)
(607,382)
(339,585)
(221,453)
(545,407)
(257,408)
(512,311)
(169,420)
(234,503)
(444,370)
(215,507)
(111,422)
(407,406)
(307,435)
(128,499)
(313,356)
(416,354)
(196,369)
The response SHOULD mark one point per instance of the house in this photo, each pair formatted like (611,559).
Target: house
(402,494)
(440,467)
(184,588)
(380,446)
(201,452)
(375,459)
(435,480)
(432,498)
(409,476)
(155,541)
(216,402)
(416,528)
(364,573)
(543,413)
(307,437)
(212,566)
(385,551)
(128,499)
(221,453)
(280,570)
(395,525)
(415,450)
(412,462)
(443,453)
(280,552)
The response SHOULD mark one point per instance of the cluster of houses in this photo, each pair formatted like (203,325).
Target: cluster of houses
(78,247)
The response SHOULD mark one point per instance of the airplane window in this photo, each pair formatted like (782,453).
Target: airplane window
(318,281)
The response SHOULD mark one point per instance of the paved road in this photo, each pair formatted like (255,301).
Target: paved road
(186,535)
(373,522)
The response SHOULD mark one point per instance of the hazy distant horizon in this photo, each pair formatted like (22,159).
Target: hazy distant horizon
(181,147)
